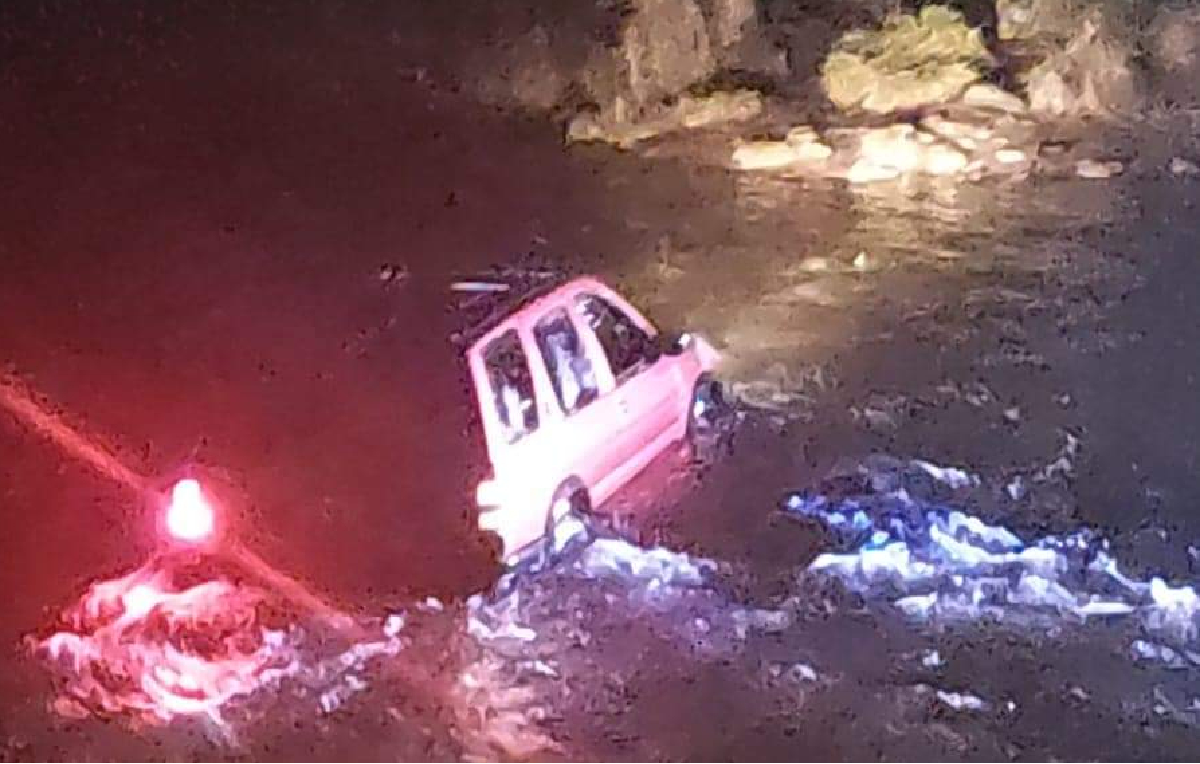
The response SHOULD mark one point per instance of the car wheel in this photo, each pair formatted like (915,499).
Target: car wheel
(708,419)
(565,520)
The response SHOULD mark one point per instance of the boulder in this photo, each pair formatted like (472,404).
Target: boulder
(984,96)
(912,61)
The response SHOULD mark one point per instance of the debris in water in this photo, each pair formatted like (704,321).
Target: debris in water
(1181,166)
(951,476)
(1016,488)
(961,701)
(1092,168)
(393,274)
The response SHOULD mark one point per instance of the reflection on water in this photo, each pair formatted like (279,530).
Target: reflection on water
(803,270)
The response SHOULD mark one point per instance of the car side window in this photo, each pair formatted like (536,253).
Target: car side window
(512,385)
(567,362)
(625,343)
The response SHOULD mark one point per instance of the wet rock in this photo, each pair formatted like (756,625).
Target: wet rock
(1010,156)
(982,95)
(1093,168)
(622,128)
(802,145)
(912,61)
(1181,166)
(764,155)
(639,82)
(889,152)
(717,107)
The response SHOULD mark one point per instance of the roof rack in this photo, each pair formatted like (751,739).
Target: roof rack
(486,299)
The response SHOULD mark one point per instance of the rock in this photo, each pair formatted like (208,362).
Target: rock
(888,152)
(1092,71)
(986,96)
(802,134)
(943,160)
(589,127)
(665,47)
(802,145)
(720,106)
(772,155)
(620,128)
(963,134)
(894,146)
(865,171)
(1181,166)
(1092,168)
(912,61)
(813,151)
(764,155)
(1048,93)
(1010,156)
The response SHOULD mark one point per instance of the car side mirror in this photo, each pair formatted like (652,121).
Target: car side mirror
(666,343)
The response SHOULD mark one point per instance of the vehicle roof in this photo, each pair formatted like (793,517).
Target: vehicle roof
(513,299)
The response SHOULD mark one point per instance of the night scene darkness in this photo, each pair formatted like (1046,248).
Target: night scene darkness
(599,380)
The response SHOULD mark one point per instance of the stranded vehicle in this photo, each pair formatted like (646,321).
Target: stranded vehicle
(526,398)
(577,393)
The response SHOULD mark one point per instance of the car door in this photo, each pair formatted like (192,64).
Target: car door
(574,417)
(644,388)
(511,415)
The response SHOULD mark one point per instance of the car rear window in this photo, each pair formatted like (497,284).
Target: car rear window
(512,385)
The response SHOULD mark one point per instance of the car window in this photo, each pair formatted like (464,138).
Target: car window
(512,385)
(566,361)
(625,343)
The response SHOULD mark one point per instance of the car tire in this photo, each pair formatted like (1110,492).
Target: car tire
(570,502)
(708,419)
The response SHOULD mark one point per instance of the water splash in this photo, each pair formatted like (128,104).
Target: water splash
(937,562)
(144,647)
(166,642)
